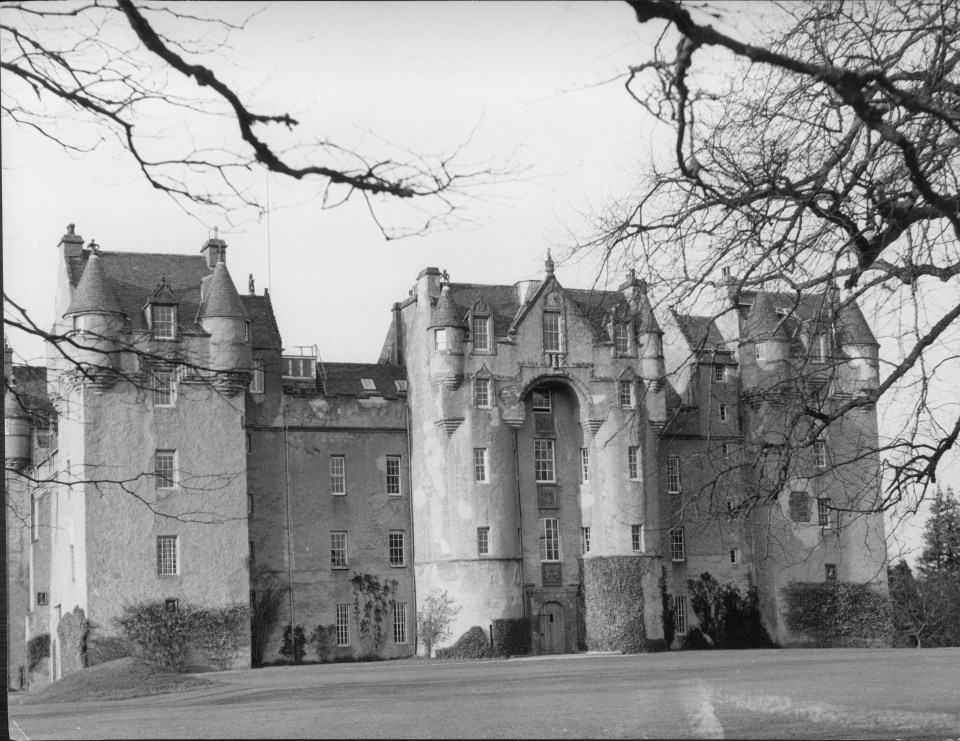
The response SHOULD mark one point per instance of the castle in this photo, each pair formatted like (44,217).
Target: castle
(508,435)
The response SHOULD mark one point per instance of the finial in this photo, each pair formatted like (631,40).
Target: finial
(250,285)
(549,263)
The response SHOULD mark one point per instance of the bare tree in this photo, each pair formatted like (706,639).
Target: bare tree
(433,619)
(826,157)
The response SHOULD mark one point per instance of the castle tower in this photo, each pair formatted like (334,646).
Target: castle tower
(223,315)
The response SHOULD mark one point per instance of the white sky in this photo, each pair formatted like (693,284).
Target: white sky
(518,80)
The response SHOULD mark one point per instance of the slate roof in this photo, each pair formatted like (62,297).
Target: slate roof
(343,379)
(852,328)
(446,313)
(94,293)
(265,332)
(701,332)
(30,391)
(763,322)
(222,299)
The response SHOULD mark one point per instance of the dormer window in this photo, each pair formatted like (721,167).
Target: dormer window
(621,338)
(164,321)
(480,331)
(401,385)
(368,384)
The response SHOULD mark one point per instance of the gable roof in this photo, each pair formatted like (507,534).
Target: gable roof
(701,332)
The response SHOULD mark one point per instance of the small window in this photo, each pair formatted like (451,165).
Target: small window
(401,385)
(481,333)
(719,375)
(343,625)
(544,461)
(34,518)
(584,465)
(831,571)
(549,539)
(165,469)
(400,622)
(440,339)
(246,331)
(723,412)
(725,450)
(167,564)
(398,551)
(673,475)
(480,465)
(481,393)
(621,337)
(636,538)
(677,548)
(734,556)
(542,400)
(338,550)
(368,384)
(171,605)
(731,509)
(249,504)
(164,322)
(253,554)
(393,475)
(820,454)
(249,440)
(625,394)
(799,506)
(551,332)
(761,348)
(680,615)
(483,541)
(585,539)
(823,512)
(164,388)
(41,599)
(633,462)
(256,383)
(818,349)
(338,475)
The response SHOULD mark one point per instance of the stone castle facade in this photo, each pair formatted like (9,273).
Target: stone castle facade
(172,449)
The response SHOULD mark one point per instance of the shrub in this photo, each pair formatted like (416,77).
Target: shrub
(107,648)
(322,640)
(838,613)
(219,631)
(695,640)
(727,619)
(471,645)
(294,643)
(156,633)
(511,636)
(72,631)
(436,613)
(669,612)
(613,601)
(268,594)
(38,648)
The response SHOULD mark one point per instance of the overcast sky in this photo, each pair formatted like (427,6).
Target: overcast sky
(515,84)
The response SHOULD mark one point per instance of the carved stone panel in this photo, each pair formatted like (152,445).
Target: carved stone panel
(547,497)
(543,424)
(552,575)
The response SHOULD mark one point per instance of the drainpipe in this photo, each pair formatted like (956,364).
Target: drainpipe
(406,415)
(286,488)
(516,468)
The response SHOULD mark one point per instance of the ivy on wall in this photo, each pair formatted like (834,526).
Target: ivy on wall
(511,636)
(72,634)
(613,602)
(838,613)
(371,606)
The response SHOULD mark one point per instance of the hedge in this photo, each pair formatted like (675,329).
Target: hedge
(511,636)
(613,602)
(839,613)
(107,648)
(38,648)
(72,632)
(471,645)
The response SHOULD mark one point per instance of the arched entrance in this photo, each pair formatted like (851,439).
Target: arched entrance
(552,628)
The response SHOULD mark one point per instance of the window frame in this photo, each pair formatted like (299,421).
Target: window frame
(633,462)
(338,479)
(734,556)
(343,625)
(830,572)
(585,539)
(678,546)
(394,482)
(724,413)
(480,467)
(549,540)
(161,388)
(162,480)
(680,614)
(552,337)
(673,477)
(441,342)
(761,350)
(159,323)
(824,511)
(584,465)
(400,623)
(622,336)
(820,454)
(397,546)
(481,393)
(256,381)
(626,400)
(480,327)
(540,396)
(339,554)
(719,373)
(168,555)
(818,349)
(483,540)
(544,465)
(637,538)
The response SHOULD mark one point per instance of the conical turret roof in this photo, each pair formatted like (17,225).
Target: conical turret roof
(221,298)
(445,314)
(643,316)
(852,328)
(13,405)
(763,322)
(93,294)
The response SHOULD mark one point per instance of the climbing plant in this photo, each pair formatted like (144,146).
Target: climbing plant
(294,643)
(322,638)
(371,606)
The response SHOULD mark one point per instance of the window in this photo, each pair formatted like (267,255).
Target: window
(167,556)
(549,539)
(731,510)
(249,504)
(633,462)
(818,349)
(551,331)
(480,465)
(164,322)
(673,475)
(338,549)
(338,475)
(398,551)
(73,564)
(164,388)
(481,393)
(761,351)
(734,555)
(585,539)
(677,550)
(401,385)
(831,571)
(543,460)
(483,541)
(440,339)
(249,441)
(481,333)
(399,622)
(393,475)
(725,450)
(820,454)
(584,465)
(368,384)
(723,412)
(621,337)
(625,394)
(171,605)
(542,401)
(343,625)
(680,615)
(799,506)
(253,555)
(246,332)
(41,599)
(636,538)
(823,512)
(165,468)
(34,518)
(719,375)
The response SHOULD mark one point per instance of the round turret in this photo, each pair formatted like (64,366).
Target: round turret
(649,336)
(861,349)
(17,428)
(446,332)
(224,317)
(96,318)
(764,346)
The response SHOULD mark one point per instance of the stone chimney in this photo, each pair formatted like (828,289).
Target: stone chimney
(71,244)
(214,249)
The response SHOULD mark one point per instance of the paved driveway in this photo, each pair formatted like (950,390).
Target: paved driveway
(747,694)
